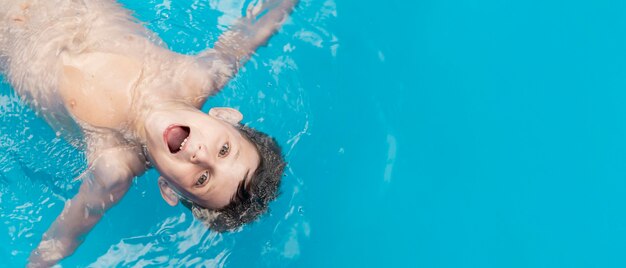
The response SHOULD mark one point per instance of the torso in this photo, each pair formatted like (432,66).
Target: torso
(94,57)
(97,88)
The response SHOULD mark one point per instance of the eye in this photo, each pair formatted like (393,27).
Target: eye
(224,150)
(203,178)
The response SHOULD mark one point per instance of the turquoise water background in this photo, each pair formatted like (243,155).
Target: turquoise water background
(418,134)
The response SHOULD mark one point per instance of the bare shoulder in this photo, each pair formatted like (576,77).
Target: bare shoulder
(123,161)
(114,163)
(196,78)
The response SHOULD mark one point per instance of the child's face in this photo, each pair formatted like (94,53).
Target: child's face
(201,156)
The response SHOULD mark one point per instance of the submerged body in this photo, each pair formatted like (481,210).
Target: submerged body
(110,87)
(85,65)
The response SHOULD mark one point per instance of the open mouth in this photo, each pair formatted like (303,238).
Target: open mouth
(176,137)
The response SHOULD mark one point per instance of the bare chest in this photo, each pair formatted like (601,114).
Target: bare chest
(97,88)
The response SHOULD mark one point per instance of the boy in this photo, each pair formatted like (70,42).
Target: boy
(106,84)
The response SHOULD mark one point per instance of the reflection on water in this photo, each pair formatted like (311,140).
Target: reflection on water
(176,241)
(37,171)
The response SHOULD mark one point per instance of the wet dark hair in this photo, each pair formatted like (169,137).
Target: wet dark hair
(251,201)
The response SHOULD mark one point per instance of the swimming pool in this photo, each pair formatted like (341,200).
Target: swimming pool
(431,134)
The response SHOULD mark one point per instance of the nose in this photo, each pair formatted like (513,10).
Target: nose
(200,155)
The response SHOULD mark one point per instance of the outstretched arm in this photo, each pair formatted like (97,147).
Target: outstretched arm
(103,185)
(234,47)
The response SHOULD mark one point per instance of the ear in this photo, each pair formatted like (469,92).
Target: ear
(229,115)
(167,192)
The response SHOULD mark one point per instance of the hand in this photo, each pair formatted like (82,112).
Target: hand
(48,253)
(258,7)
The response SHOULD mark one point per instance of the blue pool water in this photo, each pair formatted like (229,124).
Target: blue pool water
(432,134)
